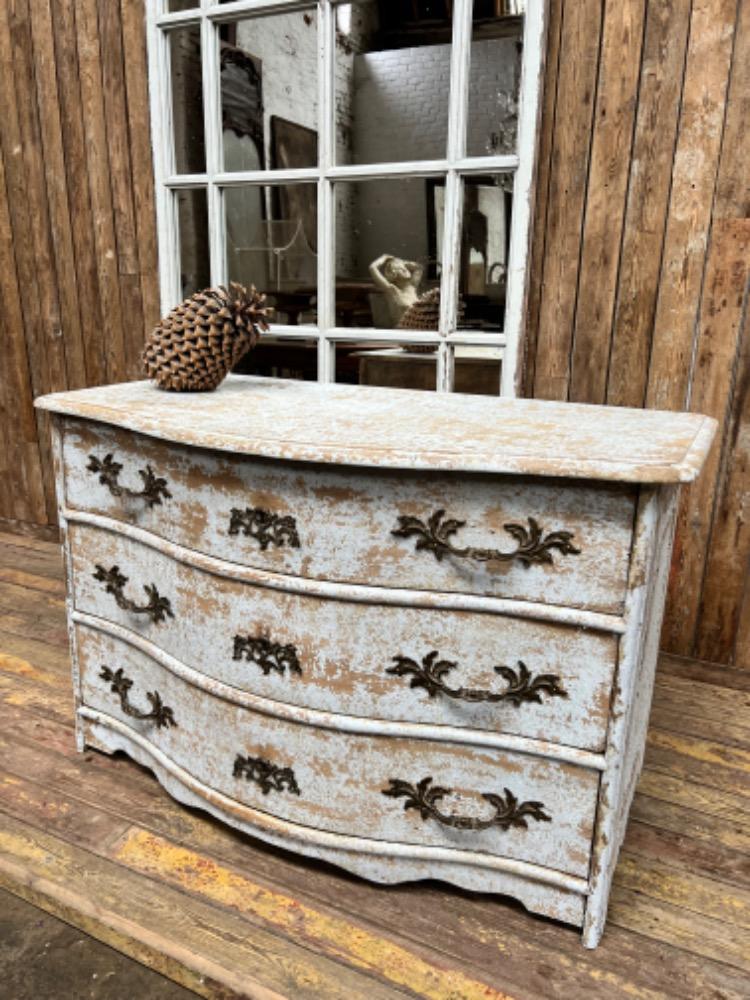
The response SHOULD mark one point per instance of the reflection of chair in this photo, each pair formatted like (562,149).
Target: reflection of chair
(280,250)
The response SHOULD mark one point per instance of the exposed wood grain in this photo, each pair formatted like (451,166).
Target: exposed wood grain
(614,113)
(136,79)
(121,181)
(576,90)
(100,190)
(81,217)
(719,328)
(662,68)
(693,179)
(544,168)
(733,185)
(728,562)
(147,924)
(51,151)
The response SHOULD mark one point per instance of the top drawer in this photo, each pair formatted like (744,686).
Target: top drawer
(553,541)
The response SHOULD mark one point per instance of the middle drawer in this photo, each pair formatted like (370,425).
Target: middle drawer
(403,663)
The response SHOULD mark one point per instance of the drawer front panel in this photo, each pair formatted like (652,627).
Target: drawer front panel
(510,804)
(563,543)
(454,668)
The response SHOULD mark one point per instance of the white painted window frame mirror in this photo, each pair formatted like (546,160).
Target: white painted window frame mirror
(453,170)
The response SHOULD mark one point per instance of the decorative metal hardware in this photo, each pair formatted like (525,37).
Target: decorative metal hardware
(266,528)
(522,685)
(425,796)
(161,714)
(154,487)
(533,547)
(157,608)
(270,777)
(269,656)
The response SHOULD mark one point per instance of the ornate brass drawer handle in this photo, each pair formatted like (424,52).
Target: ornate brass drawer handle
(161,714)
(425,796)
(157,608)
(266,528)
(269,656)
(270,777)
(533,546)
(154,487)
(522,685)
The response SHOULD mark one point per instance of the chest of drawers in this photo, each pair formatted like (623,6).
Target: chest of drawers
(410,634)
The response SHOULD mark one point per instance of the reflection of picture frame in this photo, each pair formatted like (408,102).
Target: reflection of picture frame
(485,228)
(294,146)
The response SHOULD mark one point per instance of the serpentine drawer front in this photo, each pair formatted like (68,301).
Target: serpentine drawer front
(544,541)
(412,634)
(344,782)
(456,668)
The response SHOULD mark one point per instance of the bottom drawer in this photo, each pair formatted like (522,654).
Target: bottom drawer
(390,788)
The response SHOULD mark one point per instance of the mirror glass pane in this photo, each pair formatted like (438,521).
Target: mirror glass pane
(187,100)
(485,243)
(281,357)
(269,91)
(495,77)
(192,219)
(388,365)
(387,272)
(272,244)
(392,81)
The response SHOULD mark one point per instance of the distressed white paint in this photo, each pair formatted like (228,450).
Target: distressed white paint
(499,739)
(541,890)
(344,725)
(345,648)
(406,429)
(345,519)
(341,776)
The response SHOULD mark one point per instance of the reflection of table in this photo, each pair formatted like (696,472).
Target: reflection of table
(352,302)
(477,369)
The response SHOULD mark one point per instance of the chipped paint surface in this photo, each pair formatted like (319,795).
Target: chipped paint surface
(345,519)
(341,776)
(345,649)
(345,464)
(195,873)
(360,425)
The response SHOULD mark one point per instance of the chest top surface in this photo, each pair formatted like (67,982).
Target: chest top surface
(364,426)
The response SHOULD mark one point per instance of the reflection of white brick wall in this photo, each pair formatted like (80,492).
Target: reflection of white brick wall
(401,113)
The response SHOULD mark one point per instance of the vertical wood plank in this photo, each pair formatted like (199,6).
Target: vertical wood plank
(693,180)
(22,490)
(576,88)
(79,200)
(121,182)
(728,563)
(662,70)
(617,91)
(719,324)
(97,168)
(544,170)
(51,151)
(136,81)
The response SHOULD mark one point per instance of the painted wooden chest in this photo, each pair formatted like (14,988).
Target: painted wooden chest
(411,634)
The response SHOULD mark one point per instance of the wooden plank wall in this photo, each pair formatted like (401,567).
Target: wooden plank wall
(78,279)
(641,262)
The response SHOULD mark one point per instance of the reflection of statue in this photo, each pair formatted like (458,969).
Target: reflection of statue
(398,280)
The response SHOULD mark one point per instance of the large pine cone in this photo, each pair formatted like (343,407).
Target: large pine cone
(201,339)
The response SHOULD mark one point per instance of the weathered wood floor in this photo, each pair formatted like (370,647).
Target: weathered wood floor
(96,841)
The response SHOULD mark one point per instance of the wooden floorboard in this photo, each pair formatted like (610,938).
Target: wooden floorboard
(95,840)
